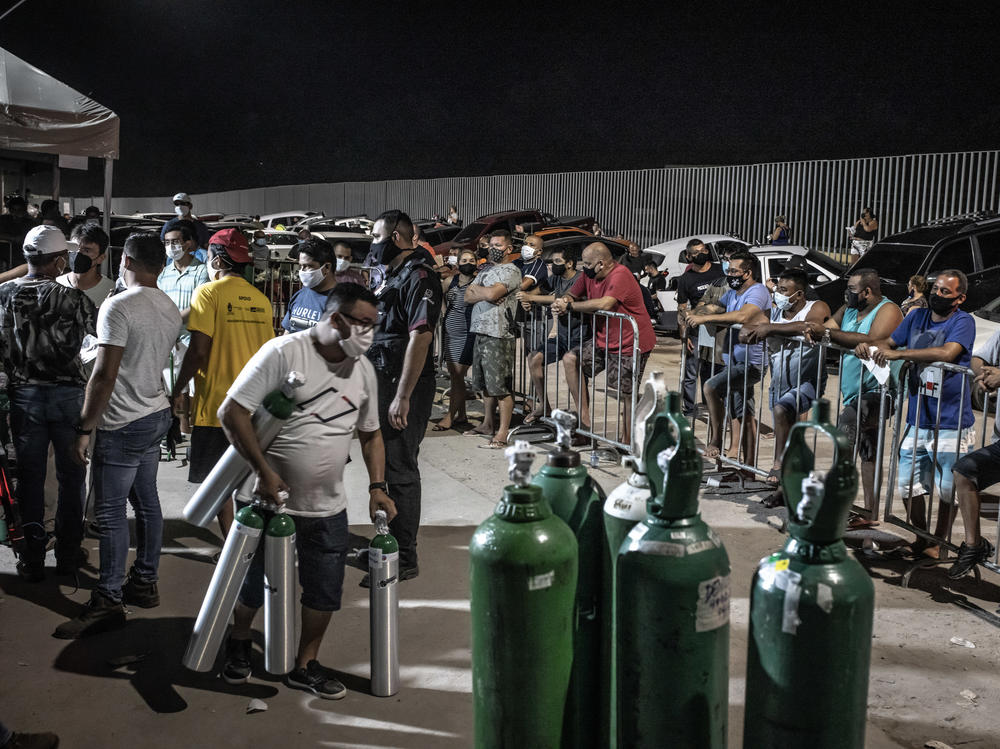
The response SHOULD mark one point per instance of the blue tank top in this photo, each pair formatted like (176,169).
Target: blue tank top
(851,366)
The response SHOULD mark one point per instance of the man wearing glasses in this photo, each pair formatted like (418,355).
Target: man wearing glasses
(229,321)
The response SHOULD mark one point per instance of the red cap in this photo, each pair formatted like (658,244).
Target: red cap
(234,242)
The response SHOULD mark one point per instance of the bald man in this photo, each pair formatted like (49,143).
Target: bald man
(609,287)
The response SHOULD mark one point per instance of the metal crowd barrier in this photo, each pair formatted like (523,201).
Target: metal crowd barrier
(890,435)
(608,426)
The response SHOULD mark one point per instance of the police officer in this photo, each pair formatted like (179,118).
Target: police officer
(409,304)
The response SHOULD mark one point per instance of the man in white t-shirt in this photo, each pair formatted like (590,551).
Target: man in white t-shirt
(128,406)
(307,460)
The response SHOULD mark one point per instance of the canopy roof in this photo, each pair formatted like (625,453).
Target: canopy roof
(39,113)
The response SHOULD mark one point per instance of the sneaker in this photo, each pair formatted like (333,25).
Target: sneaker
(70,558)
(138,593)
(32,573)
(969,557)
(100,614)
(32,741)
(407,573)
(237,667)
(316,679)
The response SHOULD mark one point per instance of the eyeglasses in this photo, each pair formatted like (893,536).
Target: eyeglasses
(363,324)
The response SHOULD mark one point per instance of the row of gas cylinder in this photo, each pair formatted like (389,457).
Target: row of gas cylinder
(605,621)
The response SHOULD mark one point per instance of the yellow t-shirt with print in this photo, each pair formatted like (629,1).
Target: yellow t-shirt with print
(238,319)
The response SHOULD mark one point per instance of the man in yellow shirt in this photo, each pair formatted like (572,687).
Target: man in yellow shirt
(229,321)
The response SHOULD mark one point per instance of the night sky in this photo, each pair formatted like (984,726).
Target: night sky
(218,95)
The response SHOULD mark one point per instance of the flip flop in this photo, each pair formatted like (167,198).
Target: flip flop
(532,418)
(439,428)
(494,445)
(709,454)
(474,433)
(774,473)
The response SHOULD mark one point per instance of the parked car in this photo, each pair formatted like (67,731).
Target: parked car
(969,243)
(280,243)
(286,219)
(440,234)
(358,241)
(558,232)
(518,223)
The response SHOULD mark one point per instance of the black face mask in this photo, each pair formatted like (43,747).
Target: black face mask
(700,259)
(941,305)
(558,269)
(735,282)
(590,272)
(853,299)
(80,263)
(467,268)
(385,252)
(482,253)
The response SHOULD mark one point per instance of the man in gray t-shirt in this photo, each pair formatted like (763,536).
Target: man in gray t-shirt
(493,292)
(127,405)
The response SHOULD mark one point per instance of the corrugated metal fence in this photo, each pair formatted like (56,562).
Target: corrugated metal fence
(819,198)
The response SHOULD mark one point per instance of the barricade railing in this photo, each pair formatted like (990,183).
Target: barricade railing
(890,431)
(542,383)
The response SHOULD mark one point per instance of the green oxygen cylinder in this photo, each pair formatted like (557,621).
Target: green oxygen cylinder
(523,570)
(672,606)
(623,509)
(579,500)
(811,607)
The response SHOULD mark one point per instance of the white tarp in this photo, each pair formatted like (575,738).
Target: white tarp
(39,113)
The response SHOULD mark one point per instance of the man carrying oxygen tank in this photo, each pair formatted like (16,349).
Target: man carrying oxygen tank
(307,460)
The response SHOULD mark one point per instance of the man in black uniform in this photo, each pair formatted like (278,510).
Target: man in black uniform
(691,287)
(409,305)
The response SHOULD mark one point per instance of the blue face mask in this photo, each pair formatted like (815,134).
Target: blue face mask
(725,266)
(781,301)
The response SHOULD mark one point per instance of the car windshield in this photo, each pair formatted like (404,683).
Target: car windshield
(470,232)
(894,263)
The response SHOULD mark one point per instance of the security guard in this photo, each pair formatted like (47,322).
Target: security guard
(409,305)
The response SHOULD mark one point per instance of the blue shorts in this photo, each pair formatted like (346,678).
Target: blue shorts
(805,394)
(917,455)
(733,376)
(321,545)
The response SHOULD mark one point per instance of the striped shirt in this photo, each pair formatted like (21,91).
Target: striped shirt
(180,284)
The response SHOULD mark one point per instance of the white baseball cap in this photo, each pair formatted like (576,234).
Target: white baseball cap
(46,240)
(182,197)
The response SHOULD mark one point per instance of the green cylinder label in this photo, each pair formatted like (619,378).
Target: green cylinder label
(713,604)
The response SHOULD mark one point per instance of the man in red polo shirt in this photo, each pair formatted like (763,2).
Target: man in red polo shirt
(609,286)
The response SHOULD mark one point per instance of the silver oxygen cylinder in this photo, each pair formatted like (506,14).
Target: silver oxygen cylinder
(279,593)
(213,618)
(232,468)
(383,599)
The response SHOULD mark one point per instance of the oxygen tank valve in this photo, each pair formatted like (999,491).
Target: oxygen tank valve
(521,456)
(565,421)
(292,382)
(381,523)
(279,506)
(812,496)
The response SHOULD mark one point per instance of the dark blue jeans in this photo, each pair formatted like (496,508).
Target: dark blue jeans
(124,468)
(41,415)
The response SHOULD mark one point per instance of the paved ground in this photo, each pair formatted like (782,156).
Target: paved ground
(127,688)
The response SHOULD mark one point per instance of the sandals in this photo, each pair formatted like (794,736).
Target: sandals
(494,445)
(774,473)
(711,452)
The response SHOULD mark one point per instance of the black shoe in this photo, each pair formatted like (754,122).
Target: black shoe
(135,592)
(406,573)
(969,557)
(237,668)
(774,499)
(29,572)
(70,558)
(32,741)
(318,680)
(100,614)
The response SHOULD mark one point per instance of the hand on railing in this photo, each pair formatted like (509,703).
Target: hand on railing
(988,378)
(754,333)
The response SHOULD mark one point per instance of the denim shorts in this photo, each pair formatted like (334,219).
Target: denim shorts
(733,376)
(916,454)
(321,545)
(981,467)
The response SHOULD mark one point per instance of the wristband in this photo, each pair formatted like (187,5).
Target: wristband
(378,485)
(78,428)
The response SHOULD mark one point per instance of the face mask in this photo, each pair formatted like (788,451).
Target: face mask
(725,266)
(782,301)
(497,254)
(260,241)
(311,278)
(558,269)
(175,251)
(182,210)
(590,272)
(467,268)
(528,252)
(701,258)
(214,274)
(735,282)
(358,343)
(853,299)
(385,252)
(343,264)
(482,252)
(941,305)
(80,263)
(452,260)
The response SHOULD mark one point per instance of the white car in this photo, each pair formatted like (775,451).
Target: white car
(279,244)
(286,219)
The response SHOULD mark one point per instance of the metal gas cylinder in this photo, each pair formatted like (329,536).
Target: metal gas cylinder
(672,606)
(383,607)
(279,592)
(523,576)
(811,607)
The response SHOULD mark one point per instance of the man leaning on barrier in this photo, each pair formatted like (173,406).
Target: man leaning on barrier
(865,317)
(942,333)
(797,371)
(691,288)
(978,470)
(746,300)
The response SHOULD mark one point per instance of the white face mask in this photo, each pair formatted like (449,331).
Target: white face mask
(452,260)
(528,252)
(260,241)
(182,210)
(311,278)
(343,264)
(782,301)
(358,343)
(175,251)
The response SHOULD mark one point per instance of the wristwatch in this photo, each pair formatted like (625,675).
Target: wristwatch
(378,485)
(78,428)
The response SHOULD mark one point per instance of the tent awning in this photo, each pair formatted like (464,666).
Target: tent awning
(39,113)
